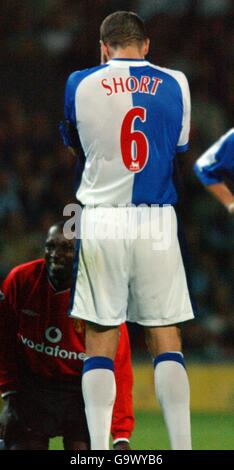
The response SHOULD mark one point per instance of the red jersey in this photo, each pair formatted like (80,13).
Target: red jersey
(38,337)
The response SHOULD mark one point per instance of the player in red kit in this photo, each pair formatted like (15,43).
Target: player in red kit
(41,357)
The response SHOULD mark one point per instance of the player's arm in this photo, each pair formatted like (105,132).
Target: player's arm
(183,141)
(211,166)
(9,385)
(123,417)
(70,137)
(223,194)
(68,127)
(8,337)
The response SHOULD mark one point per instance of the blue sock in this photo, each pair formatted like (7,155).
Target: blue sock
(98,362)
(169,356)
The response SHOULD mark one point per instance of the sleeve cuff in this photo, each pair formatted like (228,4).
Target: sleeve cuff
(6,394)
(206,178)
(121,435)
(64,134)
(120,439)
(182,148)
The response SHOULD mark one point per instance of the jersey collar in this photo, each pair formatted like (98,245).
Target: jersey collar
(121,63)
(54,289)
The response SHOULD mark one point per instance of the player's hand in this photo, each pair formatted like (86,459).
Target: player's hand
(10,420)
(230,208)
(122,445)
(9,417)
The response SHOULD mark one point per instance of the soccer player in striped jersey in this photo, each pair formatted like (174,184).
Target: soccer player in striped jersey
(216,164)
(132,117)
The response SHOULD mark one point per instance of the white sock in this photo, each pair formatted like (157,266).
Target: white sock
(172,389)
(99,392)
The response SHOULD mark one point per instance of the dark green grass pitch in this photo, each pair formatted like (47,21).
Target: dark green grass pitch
(210,432)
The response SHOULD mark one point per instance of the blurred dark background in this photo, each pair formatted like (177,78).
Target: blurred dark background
(41,42)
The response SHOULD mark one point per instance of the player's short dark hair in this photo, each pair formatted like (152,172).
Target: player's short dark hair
(122,28)
(59,224)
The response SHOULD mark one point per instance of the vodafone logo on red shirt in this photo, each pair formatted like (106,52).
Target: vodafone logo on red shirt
(53,334)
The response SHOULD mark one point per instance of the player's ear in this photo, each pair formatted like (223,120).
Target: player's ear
(146,46)
(104,52)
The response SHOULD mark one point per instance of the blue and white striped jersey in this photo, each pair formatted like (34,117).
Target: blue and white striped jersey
(218,161)
(132,117)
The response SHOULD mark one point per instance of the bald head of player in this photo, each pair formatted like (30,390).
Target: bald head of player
(123,35)
(59,252)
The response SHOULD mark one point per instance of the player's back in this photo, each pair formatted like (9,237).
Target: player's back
(132,117)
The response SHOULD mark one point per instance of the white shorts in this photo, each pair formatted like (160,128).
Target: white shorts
(129,267)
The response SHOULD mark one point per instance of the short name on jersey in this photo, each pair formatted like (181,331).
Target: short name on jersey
(131,84)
